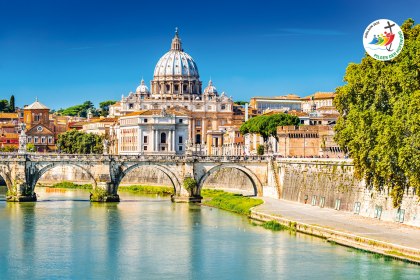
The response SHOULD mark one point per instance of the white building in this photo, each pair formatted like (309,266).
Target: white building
(317,101)
(153,132)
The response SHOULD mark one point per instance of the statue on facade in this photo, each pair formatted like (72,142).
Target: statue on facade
(105,146)
(163,112)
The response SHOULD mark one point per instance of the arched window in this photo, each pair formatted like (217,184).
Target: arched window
(163,138)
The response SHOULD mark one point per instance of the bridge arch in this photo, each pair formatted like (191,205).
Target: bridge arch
(6,179)
(50,166)
(256,183)
(178,189)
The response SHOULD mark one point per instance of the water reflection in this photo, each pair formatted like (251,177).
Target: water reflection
(65,236)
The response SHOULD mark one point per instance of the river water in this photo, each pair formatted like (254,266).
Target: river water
(64,236)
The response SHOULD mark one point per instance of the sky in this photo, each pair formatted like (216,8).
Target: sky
(66,52)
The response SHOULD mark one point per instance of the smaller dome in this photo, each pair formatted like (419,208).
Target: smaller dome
(210,89)
(142,88)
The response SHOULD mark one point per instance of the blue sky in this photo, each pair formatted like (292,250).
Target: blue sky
(66,52)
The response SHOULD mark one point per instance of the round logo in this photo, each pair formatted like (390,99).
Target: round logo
(383,39)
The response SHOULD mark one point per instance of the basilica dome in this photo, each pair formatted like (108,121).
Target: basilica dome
(142,88)
(210,89)
(176,73)
(176,62)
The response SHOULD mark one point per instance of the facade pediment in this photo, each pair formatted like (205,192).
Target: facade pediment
(40,130)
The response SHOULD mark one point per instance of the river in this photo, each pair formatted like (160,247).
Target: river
(65,236)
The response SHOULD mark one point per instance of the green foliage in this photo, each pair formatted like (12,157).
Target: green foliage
(98,195)
(12,103)
(71,185)
(231,202)
(4,105)
(78,110)
(8,149)
(190,184)
(260,149)
(78,142)
(30,147)
(241,102)
(104,107)
(160,190)
(266,126)
(380,115)
(275,226)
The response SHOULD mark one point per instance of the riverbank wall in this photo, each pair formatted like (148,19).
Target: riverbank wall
(342,238)
(331,184)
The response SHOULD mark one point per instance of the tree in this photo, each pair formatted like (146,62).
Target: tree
(4,105)
(266,126)
(12,104)
(78,110)
(104,107)
(78,142)
(380,116)
(242,103)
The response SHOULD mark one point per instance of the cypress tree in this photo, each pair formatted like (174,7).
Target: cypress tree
(12,104)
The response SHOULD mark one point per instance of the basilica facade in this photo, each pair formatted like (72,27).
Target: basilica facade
(176,88)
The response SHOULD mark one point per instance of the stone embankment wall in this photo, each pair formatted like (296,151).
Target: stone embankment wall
(229,179)
(331,184)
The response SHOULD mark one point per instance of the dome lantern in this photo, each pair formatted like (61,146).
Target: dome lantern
(176,42)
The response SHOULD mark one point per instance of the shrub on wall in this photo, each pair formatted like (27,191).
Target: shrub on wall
(190,184)
(260,150)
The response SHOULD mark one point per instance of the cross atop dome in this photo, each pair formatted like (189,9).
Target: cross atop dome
(176,42)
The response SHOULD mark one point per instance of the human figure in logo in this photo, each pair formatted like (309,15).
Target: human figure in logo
(390,37)
(374,40)
(380,40)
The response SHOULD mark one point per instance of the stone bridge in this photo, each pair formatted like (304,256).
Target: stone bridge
(21,172)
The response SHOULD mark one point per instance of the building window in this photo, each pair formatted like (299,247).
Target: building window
(130,106)
(29,139)
(144,148)
(198,139)
(145,139)
(35,139)
(180,148)
(180,139)
(163,138)
(145,120)
(181,120)
(223,107)
(42,139)
(49,140)
(197,123)
(37,118)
